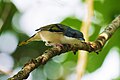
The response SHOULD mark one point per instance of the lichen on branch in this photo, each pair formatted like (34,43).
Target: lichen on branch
(94,46)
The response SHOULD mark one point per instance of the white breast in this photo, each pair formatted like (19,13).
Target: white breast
(54,37)
(70,40)
(57,37)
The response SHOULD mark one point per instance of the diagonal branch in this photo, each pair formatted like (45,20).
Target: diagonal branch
(95,46)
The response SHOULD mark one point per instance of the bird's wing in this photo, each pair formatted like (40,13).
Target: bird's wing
(52,28)
(35,37)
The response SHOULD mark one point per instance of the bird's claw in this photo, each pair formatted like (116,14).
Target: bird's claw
(74,52)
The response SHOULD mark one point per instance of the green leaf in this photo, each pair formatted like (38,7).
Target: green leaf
(72,22)
(109,9)
(6,15)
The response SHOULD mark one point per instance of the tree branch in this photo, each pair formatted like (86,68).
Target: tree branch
(95,46)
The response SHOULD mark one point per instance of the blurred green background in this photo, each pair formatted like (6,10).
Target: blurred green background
(19,19)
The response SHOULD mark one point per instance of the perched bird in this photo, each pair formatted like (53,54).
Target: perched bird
(56,34)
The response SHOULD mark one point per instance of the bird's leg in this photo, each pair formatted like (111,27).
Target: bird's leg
(48,43)
(58,45)
(74,51)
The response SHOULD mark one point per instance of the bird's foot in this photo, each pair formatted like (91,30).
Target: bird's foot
(54,44)
(58,45)
(75,51)
(48,43)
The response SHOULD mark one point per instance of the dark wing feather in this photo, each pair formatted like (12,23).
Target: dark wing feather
(56,28)
(53,28)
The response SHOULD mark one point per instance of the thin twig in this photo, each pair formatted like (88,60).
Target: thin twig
(83,55)
(95,46)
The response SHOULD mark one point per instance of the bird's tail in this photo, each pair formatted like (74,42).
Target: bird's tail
(35,37)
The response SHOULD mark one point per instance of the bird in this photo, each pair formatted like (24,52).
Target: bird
(56,34)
